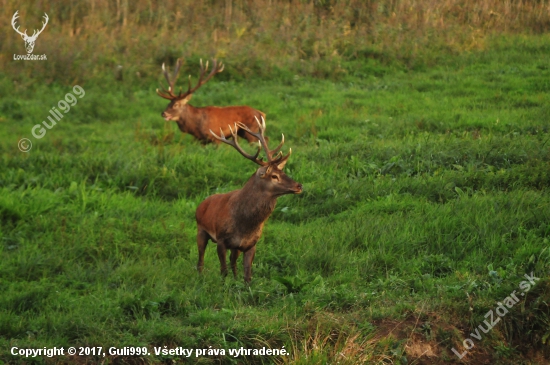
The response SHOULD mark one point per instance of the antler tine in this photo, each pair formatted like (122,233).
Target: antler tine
(13,19)
(169,93)
(176,72)
(239,148)
(279,147)
(261,137)
(175,77)
(166,94)
(203,69)
(233,142)
(272,155)
(165,72)
(201,75)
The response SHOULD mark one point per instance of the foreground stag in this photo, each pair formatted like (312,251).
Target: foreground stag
(235,220)
(198,121)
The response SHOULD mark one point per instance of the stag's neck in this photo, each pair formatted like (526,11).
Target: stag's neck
(190,119)
(254,205)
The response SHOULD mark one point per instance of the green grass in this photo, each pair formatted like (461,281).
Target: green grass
(426,199)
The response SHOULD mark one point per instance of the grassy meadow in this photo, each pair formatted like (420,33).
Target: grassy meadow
(425,165)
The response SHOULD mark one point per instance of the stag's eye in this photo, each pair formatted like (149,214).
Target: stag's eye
(275,177)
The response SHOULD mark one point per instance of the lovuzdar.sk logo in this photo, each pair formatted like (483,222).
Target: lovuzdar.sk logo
(29,40)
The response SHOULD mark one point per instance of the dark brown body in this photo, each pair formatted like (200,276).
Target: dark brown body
(235,220)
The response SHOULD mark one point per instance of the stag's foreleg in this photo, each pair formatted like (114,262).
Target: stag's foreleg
(233,259)
(247,263)
(221,255)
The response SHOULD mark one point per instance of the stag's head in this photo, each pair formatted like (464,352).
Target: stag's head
(29,40)
(271,176)
(180,100)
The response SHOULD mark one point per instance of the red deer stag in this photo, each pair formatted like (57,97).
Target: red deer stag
(198,121)
(235,220)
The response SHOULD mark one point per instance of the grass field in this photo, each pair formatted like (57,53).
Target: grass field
(426,201)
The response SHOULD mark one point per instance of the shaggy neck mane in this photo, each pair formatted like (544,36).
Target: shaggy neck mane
(253,206)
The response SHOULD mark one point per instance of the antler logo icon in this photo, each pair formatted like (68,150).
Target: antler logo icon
(29,41)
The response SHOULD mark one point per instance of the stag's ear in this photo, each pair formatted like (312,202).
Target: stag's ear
(183,101)
(283,161)
(282,164)
(265,171)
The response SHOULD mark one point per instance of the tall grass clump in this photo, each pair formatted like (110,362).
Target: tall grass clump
(128,40)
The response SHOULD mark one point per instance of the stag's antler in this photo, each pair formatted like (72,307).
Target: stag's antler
(233,142)
(215,69)
(278,159)
(169,93)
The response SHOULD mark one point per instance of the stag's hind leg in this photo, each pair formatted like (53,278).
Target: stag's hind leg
(202,240)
